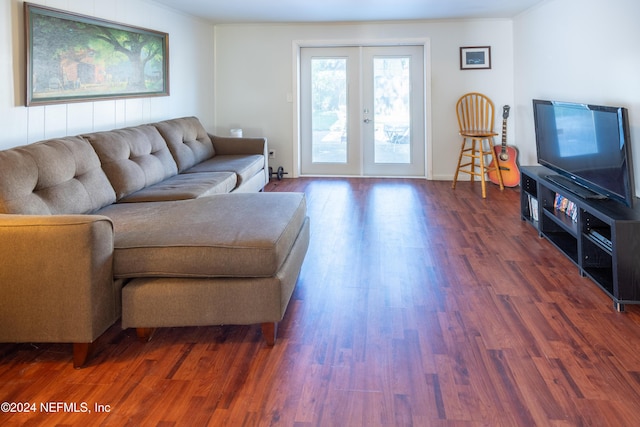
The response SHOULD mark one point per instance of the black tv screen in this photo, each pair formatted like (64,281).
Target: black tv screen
(589,144)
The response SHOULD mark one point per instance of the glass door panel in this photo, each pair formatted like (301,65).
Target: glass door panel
(392,109)
(329,138)
(393,130)
(329,110)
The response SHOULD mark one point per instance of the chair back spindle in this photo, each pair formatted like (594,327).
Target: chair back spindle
(475,113)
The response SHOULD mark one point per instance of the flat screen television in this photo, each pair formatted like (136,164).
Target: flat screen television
(587,147)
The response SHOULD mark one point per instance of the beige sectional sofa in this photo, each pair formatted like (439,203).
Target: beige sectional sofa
(160,224)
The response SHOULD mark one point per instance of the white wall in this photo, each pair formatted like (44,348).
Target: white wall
(577,50)
(573,50)
(255,71)
(191,74)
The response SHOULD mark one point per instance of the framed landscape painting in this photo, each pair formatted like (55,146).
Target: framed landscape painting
(72,58)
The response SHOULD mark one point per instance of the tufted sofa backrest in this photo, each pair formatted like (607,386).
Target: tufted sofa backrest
(133,158)
(81,174)
(188,141)
(56,176)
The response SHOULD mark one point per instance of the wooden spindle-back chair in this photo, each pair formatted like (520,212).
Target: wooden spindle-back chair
(475,113)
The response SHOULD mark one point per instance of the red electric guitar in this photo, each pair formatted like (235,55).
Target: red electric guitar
(507,157)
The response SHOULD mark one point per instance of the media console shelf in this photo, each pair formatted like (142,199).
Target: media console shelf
(601,237)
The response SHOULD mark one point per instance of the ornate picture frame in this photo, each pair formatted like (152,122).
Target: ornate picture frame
(76,58)
(475,58)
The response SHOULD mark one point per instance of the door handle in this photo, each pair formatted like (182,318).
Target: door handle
(367,120)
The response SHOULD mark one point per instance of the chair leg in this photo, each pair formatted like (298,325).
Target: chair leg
(483,171)
(474,154)
(497,165)
(455,176)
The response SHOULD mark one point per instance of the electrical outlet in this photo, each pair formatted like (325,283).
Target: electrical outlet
(272,154)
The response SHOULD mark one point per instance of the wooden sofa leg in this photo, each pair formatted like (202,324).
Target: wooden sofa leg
(145,334)
(269,330)
(81,353)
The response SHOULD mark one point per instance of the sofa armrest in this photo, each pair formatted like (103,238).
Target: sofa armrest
(56,280)
(224,145)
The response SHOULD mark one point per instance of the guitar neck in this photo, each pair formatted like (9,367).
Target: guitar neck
(504,132)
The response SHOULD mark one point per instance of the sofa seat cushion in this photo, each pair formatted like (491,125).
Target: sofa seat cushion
(185,186)
(245,166)
(226,235)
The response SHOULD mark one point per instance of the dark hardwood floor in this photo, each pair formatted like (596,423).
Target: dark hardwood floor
(417,305)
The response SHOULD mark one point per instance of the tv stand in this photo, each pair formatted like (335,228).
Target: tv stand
(572,186)
(602,238)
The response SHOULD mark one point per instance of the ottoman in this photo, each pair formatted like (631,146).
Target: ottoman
(235,261)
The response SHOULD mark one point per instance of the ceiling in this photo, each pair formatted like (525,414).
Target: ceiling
(245,11)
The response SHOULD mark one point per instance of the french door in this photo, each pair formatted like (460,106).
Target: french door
(362,111)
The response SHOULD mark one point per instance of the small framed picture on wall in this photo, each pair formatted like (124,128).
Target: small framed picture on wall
(475,58)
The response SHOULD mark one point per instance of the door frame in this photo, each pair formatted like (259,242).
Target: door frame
(297,45)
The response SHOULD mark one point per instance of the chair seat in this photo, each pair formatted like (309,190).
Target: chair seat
(478,134)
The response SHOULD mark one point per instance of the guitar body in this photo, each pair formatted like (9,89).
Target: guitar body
(508,168)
